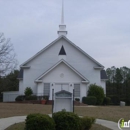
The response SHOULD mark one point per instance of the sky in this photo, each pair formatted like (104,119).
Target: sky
(99,27)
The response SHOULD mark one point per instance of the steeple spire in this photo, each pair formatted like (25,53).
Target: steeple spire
(62,26)
(62,17)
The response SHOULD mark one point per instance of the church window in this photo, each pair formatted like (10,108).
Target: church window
(62,51)
(46,89)
(76,90)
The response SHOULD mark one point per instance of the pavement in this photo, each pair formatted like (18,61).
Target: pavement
(6,122)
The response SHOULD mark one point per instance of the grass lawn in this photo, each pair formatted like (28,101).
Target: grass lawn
(112,113)
(20,126)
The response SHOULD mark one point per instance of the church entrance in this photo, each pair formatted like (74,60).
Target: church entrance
(61,86)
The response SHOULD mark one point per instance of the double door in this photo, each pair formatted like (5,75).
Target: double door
(61,86)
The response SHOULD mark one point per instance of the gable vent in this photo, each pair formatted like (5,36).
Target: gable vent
(62,51)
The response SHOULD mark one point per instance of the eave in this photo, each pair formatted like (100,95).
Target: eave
(85,82)
(99,68)
(25,67)
(38,81)
(67,41)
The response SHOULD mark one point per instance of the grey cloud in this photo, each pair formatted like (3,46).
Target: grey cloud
(101,28)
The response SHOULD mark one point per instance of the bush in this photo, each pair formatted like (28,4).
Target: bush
(86,122)
(125,100)
(28,91)
(84,100)
(46,98)
(32,97)
(91,100)
(67,121)
(39,122)
(20,98)
(115,99)
(96,91)
(106,101)
(77,99)
(1,97)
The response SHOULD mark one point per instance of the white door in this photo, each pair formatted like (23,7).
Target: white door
(61,104)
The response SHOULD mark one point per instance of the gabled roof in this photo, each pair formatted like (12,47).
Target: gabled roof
(67,64)
(54,43)
(103,75)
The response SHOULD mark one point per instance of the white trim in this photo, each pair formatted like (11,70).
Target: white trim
(54,43)
(62,25)
(61,31)
(84,82)
(62,61)
(39,81)
(63,83)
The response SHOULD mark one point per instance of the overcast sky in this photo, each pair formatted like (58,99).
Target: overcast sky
(100,27)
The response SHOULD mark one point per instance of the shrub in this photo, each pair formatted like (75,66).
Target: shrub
(86,122)
(67,121)
(77,99)
(115,99)
(46,98)
(28,91)
(106,101)
(39,122)
(20,98)
(1,97)
(32,97)
(96,91)
(125,100)
(91,100)
(84,100)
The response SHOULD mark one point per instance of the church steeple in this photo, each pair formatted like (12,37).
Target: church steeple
(62,26)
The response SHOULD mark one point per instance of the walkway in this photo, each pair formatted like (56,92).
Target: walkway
(6,122)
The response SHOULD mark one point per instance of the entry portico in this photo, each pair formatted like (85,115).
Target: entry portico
(62,76)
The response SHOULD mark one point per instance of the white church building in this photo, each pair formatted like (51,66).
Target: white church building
(61,65)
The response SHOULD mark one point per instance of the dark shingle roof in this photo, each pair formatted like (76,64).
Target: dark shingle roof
(103,74)
(62,51)
(20,76)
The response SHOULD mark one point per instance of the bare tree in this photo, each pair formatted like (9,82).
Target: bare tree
(8,60)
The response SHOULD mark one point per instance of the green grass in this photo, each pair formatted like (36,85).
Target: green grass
(17,126)
(111,113)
